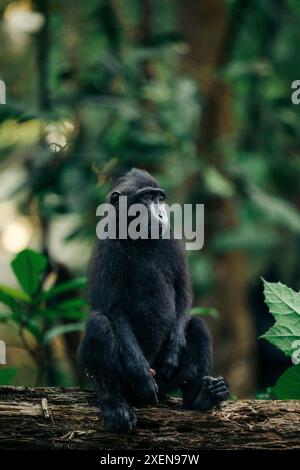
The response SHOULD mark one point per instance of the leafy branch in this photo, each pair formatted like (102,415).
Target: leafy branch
(41,313)
(284,305)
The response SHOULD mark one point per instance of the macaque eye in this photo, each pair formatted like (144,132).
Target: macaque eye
(149,197)
(161,199)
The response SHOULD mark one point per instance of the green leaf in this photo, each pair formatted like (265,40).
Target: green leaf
(72,303)
(73,284)
(5,316)
(288,385)
(6,375)
(74,309)
(58,314)
(266,395)
(27,266)
(277,210)
(217,184)
(208,311)
(33,327)
(15,293)
(284,304)
(61,330)
(246,238)
(8,300)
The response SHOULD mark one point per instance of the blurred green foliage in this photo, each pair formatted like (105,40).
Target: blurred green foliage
(41,313)
(95,93)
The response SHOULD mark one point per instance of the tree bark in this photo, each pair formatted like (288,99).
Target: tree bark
(57,418)
(209,32)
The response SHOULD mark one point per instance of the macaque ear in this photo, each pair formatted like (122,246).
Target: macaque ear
(114,197)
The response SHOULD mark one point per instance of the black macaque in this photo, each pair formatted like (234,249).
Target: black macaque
(140,342)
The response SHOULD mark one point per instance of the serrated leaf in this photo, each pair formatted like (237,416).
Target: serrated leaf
(284,304)
(288,385)
(27,266)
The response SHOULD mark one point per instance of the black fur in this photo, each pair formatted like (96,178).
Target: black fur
(140,298)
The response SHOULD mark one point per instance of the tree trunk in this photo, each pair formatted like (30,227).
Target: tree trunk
(208,32)
(57,418)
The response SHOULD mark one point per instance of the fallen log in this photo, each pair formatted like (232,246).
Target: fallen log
(58,418)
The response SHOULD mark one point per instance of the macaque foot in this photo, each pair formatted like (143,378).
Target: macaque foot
(119,418)
(213,391)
